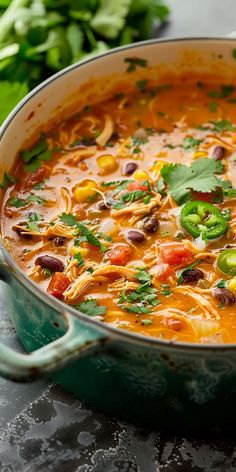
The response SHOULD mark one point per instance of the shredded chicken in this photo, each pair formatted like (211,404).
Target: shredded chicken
(107,131)
(138,209)
(202,301)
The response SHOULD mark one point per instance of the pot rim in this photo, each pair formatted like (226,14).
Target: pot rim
(60,306)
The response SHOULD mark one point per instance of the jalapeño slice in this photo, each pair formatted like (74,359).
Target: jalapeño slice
(203,219)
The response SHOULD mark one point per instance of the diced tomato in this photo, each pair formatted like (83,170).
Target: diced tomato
(120,255)
(58,284)
(143,186)
(173,323)
(162,272)
(175,254)
(32,178)
(210,197)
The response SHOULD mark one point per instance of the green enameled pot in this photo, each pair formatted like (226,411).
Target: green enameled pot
(144,380)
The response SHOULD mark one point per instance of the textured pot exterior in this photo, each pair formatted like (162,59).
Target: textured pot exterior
(151,383)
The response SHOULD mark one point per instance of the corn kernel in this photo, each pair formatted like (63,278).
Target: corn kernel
(157,166)
(78,249)
(232,285)
(198,154)
(107,164)
(84,191)
(141,175)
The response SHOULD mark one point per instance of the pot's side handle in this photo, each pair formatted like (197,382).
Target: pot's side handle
(74,344)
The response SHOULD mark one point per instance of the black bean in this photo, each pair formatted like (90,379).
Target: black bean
(224,296)
(191,275)
(136,236)
(50,262)
(130,168)
(218,153)
(102,205)
(150,224)
(58,241)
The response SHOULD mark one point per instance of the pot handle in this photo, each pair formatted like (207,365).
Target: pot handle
(74,344)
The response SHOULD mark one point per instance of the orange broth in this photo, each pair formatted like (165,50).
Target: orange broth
(133,287)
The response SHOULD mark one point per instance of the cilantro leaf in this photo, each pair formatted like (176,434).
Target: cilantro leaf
(32,222)
(221,125)
(109,19)
(190,143)
(134,62)
(10,94)
(199,177)
(91,308)
(6,180)
(79,259)
(17,202)
(33,158)
(34,198)
(68,219)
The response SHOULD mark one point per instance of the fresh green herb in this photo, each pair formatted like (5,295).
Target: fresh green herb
(33,159)
(10,92)
(142,85)
(190,144)
(222,284)
(79,259)
(141,300)
(34,198)
(161,186)
(47,272)
(134,62)
(165,290)
(91,307)
(71,220)
(33,220)
(225,91)
(68,219)
(147,199)
(213,107)
(147,322)
(199,177)
(17,202)
(222,125)
(7,179)
(104,236)
(39,186)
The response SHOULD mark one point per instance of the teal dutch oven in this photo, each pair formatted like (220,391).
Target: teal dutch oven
(148,381)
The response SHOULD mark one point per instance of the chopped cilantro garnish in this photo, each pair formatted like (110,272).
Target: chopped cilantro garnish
(33,158)
(17,202)
(222,125)
(91,308)
(141,300)
(190,144)
(199,177)
(142,85)
(6,180)
(225,91)
(33,220)
(133,62)
(165,290)
(34,198)
(147,322)
(71,220)
(79,259)
(221,284)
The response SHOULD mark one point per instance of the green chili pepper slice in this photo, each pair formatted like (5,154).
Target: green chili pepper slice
(201,218)
(227,261)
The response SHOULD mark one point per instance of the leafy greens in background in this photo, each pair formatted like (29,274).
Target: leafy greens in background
(40,37)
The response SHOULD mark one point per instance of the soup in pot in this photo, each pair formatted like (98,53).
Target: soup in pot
(127,210)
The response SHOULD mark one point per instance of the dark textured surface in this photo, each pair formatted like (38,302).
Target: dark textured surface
(44,429)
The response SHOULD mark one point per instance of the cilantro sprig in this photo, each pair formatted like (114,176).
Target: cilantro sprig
(91,307)
(141,300)
(200,176)
(34,157)
(71,220)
